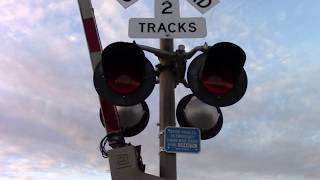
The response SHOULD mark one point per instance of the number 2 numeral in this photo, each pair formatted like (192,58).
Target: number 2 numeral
(166,9)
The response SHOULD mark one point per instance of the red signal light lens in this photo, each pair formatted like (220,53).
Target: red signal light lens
(125,80)
(217,85)
(124,84)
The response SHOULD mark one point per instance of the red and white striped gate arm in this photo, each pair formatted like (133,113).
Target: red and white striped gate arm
(109,111)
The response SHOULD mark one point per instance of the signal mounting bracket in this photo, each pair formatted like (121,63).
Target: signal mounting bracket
(178,58)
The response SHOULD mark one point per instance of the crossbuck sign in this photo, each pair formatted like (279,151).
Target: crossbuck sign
(167,22)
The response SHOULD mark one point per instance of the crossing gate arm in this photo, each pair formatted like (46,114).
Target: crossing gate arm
(109,111)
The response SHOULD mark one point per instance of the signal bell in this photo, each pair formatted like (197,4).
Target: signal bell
(132,119)
(191,112)
(124,77)
(217,76)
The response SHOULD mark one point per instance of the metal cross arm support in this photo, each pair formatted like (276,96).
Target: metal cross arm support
(193,51)
(179,54)
(177,59)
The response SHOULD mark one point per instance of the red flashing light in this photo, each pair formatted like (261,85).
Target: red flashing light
(124,79)
(216,85)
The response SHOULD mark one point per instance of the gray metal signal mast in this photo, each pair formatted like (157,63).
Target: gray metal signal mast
(124,78)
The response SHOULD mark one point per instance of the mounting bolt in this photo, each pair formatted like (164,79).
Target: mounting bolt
(181,47)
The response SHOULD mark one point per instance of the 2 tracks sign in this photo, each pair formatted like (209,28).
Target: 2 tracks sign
(167,22)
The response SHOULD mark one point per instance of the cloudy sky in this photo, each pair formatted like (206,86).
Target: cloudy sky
(49,124)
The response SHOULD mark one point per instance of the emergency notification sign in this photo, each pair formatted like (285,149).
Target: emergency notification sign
(181,139)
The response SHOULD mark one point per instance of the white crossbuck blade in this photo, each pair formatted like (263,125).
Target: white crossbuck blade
(127,3)
(203,5)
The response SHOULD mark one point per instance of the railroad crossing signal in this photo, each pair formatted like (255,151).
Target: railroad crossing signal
(217,79)
(124,78)
(217,76)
